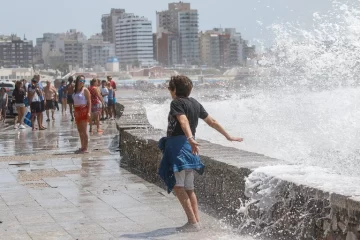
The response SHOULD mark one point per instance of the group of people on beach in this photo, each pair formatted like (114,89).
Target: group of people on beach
(38,99)
(105,90)
(88,105)
(33,95)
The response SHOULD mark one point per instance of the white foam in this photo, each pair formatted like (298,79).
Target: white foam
(315,177)
(309,128)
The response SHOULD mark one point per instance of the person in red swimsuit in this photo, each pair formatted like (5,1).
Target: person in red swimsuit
(82,111)
(96,104)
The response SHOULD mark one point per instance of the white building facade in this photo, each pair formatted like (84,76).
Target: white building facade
(15,74)
(112,65)
(134,40)
(188,31)
(181,22)
(99,51)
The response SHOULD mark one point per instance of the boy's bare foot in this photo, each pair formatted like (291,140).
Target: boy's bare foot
(189,227)
(78,151)
(84,151)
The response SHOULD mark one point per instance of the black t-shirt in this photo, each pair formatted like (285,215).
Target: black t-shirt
(19,95)
(189,107)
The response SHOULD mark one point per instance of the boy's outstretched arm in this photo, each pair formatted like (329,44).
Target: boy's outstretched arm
(216,125)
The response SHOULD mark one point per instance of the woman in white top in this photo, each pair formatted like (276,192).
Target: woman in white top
(82,112)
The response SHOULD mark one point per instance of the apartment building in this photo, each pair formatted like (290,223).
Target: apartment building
(99,50)
(108,22)
(134,40)
(210,48)
(15,51)
(179,21)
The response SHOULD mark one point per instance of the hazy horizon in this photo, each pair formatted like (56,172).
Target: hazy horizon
(251,18)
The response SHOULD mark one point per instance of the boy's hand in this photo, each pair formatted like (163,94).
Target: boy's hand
(235,139)
(194,146)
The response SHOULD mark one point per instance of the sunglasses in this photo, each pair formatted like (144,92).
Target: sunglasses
(82,81)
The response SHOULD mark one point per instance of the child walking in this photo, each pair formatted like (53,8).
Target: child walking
(180,149)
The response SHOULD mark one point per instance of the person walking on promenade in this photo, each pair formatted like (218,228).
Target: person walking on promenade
(113,85)
(105,95)
(82,112)
(51,97)
(25,84)
(63,97)
(111,103)
(35,95)
(70,91)
(4,101)
(112,82)
(180,149)
(18,97)
(96,104)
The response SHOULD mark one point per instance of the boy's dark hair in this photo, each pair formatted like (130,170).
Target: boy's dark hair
(103,81)
(71,79)
(182,84)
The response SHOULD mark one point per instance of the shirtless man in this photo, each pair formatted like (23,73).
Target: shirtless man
(70,88)
(51,96)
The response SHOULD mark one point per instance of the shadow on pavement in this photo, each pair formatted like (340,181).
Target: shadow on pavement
(163,232)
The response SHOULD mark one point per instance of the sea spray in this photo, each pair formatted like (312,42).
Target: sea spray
(279,209)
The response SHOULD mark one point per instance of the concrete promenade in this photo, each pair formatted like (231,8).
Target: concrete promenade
(47,192)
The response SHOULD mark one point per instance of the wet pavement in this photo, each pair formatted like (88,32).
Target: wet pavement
(47,192)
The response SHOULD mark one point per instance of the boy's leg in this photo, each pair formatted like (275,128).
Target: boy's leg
(33,117)
(47,115)
(39,119)
(185,203)
(16,121)
(189,188)
(194,203)
(183,197)
(71,111)
(114,110)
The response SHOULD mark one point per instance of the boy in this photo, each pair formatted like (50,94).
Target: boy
(181,150)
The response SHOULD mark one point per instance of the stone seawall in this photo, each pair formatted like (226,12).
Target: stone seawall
(256,203)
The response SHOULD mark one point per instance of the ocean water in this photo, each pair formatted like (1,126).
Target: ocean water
(307,111)
(311,128)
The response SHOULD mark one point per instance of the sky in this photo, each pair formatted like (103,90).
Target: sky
(250,17)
